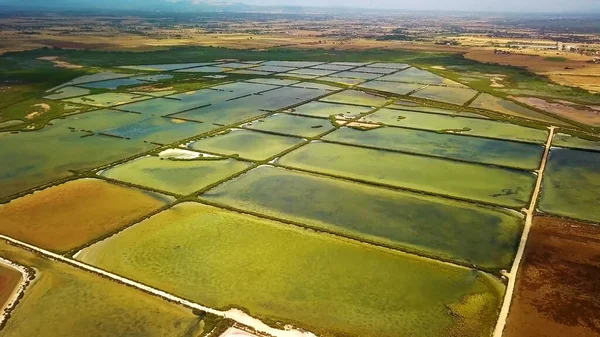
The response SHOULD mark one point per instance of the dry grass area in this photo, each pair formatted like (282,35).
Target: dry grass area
(67,216)
(575,70)
(557,288)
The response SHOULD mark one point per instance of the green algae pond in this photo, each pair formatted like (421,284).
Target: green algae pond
(393,87)
(224,259)
(322,109)
(357,75)
(415,75)
(499,186)
(43,156)
(103,308)
(355,97)
(160,130)
(247,144)
(175,175)
(571,185)
(428,225)
(457,96)
(114,84)
(68,92)
(292,125)
(454,124)
(248,107)
(464,148)
(107,99)
(568,141)
(167,67)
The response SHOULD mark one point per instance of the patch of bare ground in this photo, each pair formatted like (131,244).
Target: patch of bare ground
(589,115)
(557,288)
(575,71)
(59,63)
(39,109)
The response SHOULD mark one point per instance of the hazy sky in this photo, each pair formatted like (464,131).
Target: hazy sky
(462,5)
(585,6)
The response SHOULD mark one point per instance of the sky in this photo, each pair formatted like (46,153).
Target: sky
(450,5)
(540,6)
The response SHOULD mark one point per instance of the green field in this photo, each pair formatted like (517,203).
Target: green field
(66,301)
(223,259)
(36,113)
(178,176)
(292,125)
(454,124)
(571,185)
(432,226)
(497,186)
(464,148)
(247,144)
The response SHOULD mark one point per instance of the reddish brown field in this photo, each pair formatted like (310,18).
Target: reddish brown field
(9,281)
(579,113)
(558,288)
(67,216)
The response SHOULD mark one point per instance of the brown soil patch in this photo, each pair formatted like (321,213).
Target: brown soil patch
(67,216)
(558,286)
(579,113)
(9,281)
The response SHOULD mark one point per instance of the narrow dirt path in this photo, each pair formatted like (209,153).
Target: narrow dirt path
(512,275)
(234,314)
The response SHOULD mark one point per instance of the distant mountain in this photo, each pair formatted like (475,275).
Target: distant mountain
(143,5)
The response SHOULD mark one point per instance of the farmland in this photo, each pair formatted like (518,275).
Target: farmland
(281,189)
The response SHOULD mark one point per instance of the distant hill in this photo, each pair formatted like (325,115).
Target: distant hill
(144,5)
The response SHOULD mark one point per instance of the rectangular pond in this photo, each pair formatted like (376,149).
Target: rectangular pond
(200,253)
(432,226)
(498,186)
(463,148)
